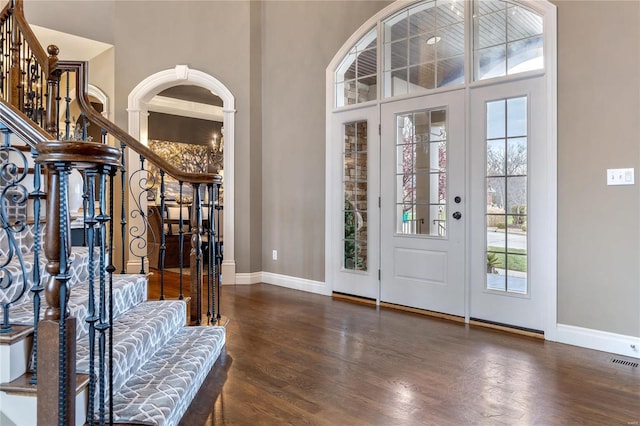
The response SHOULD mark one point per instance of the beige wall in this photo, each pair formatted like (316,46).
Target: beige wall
(300,39)
(152,36)
(273,55)
(599,128)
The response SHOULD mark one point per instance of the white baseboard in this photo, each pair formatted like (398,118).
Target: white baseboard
(295,283)
(228,272)
(250,278)
(599,340)
(134,266)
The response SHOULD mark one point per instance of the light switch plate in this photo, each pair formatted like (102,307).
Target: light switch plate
(620,176)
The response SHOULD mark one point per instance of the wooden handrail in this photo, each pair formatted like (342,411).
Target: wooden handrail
(6,11)
(81,70)
(46,63)
(20,124)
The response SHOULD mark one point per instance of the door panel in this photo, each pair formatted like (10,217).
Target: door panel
(422,187)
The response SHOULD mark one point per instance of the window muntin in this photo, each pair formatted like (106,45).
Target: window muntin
(507,39)
(424,47)
(355,187)
(421,173)
(506,176)
(356,79)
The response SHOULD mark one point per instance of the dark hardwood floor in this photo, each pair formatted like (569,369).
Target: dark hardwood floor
(298,358)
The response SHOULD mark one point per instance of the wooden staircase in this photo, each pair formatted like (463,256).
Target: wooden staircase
(80,342)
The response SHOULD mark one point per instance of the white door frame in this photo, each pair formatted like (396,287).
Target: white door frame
(138,109)
(549,261)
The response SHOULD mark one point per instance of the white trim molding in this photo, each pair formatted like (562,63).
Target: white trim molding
(102,97)
(138,109)
(174,106)
(248,278)
(296,283)
(599,340)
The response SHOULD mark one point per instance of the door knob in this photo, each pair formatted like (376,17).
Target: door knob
(457,215)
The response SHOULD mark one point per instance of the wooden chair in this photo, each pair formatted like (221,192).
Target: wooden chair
(172,237)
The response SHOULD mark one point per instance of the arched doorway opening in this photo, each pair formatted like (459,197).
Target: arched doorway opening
(138,109)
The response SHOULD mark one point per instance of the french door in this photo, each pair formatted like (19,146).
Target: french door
(432,220)
(423,199)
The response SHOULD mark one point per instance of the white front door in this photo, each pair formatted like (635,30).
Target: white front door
(423,203)
(510,225)
(355,225)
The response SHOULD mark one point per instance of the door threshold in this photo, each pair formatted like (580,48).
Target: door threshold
(352,298)
(523,331)
(426,312)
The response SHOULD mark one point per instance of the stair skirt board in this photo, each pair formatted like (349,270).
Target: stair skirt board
(164,387)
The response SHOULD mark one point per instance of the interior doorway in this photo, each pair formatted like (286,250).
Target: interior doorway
(141,102)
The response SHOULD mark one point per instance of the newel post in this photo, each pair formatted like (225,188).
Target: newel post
(53,92)
(57,331)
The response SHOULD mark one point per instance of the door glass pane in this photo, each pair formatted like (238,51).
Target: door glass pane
(507,39)
(507,195)
(356,77)
(421,173)
(355,185)
(426,42)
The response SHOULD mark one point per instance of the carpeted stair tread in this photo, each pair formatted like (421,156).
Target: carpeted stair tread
(162,389)
(79,261)
(128,291)
(137,335)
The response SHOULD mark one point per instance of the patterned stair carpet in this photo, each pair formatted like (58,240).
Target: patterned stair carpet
(163,388)
(159,363)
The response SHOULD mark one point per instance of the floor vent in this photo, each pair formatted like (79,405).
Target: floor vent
(624,362)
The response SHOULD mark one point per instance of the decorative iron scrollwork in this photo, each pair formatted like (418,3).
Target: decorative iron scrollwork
(13,212)
(141,186)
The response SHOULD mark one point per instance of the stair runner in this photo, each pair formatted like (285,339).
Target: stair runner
(159,363)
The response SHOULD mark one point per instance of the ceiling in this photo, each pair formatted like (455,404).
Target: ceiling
(193,94)
(72,47)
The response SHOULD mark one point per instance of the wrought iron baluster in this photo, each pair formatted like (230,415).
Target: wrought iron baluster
(92,318)
(104,324)
(181,242)
(67,113)
(211,309)
(219,243)
(63,279)
(123,213)
(37,287)
(163,238)
(110,270)
(196,256)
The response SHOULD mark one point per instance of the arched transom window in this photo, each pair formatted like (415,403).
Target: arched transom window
(438,43)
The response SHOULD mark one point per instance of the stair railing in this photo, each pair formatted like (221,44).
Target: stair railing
(31,82)
(142,181)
